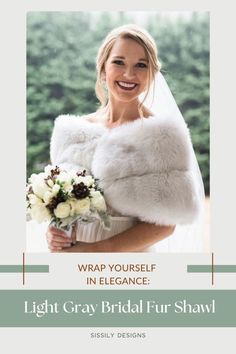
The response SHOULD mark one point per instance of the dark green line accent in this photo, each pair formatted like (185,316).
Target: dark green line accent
(27,268)
(208,268)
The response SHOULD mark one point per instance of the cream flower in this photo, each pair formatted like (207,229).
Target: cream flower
(65,178)
(50,183)
(82,206)
(62,210)
(98,201)
(48,169)
(40,213)
(55,189)
(32,178)
(34,200)
(48,197)
(40,187)
(87,180)
(36,177)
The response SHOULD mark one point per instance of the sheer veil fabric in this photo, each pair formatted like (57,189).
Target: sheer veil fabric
(161,102)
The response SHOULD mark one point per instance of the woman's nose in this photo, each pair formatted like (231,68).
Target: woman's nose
(129,73)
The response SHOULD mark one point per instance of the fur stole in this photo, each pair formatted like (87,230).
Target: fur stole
(143,167)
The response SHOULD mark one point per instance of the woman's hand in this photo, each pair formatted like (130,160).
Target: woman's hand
(81,247)
(57,239)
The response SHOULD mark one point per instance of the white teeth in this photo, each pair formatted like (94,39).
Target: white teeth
(125,84)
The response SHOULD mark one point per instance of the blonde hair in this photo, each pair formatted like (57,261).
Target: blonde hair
(139,35)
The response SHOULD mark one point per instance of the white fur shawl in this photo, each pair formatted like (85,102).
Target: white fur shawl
(143,166)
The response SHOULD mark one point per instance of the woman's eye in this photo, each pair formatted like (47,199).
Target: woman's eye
(142,65)
(118,62)
(139,65)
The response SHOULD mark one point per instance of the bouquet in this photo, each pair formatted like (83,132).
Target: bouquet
(63,197)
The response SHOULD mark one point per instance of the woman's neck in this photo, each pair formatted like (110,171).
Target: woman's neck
(120,112)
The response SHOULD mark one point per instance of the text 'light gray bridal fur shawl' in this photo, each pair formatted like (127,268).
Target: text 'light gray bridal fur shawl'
(143,166)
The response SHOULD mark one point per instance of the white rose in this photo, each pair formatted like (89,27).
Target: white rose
(32,177)
(88,180)
(33,199)
(65,178)
(82,206)
(48,197)
(39,186)
(67,187)
(40,213)
(48,169)
(62,210)
(55,189)
(50,183)
(98,201)
(39,176)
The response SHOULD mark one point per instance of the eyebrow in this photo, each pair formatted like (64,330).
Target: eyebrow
(118,57)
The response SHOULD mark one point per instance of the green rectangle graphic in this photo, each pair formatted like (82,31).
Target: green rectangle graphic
(118,308)
(19,268)
(210,268)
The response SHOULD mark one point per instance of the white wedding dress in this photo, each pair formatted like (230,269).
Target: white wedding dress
(93,232)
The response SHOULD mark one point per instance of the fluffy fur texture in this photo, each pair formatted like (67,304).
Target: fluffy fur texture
(144,166)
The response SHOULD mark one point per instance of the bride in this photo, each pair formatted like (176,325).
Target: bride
(139,148)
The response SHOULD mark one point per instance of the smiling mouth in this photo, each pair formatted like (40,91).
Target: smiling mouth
(126,86)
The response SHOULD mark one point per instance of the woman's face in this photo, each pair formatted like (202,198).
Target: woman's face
(126,70)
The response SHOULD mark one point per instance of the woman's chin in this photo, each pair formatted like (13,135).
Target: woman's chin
(126,99)
(125,96)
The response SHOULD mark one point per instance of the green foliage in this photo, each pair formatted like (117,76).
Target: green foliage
(61,75)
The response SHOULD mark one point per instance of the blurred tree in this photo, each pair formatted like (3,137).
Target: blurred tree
(61,53)
(60,76)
